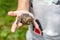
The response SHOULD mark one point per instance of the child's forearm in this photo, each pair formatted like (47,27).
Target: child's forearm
(23,5)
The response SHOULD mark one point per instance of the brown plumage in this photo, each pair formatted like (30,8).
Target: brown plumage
(25,19)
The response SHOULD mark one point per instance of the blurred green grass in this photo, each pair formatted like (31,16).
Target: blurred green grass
(6,22)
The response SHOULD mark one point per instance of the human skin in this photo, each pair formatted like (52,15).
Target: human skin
(23,7)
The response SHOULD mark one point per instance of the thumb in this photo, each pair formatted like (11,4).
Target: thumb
(12,13)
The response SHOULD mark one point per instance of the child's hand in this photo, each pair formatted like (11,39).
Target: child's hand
(17,13)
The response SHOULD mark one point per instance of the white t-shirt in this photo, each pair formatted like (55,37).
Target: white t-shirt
(48,15)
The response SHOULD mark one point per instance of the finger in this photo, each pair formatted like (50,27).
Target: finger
(29,14)
(19,25)
(12,13)
(36,25)
(37,30)
(14,26)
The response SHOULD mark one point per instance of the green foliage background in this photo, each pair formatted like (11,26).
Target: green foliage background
(6,22)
